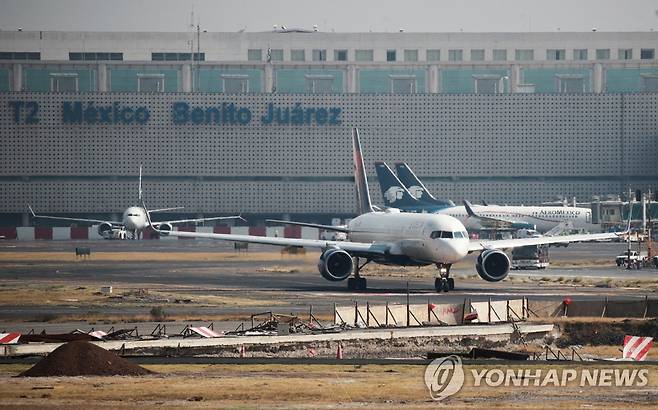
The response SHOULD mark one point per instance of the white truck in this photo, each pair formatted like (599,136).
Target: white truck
(633,258)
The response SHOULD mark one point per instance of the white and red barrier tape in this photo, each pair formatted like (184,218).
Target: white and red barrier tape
(637,347)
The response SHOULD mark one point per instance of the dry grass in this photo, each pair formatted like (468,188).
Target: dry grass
(303,386)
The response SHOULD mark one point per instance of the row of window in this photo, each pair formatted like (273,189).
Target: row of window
(96,56)
(19,55)
(69,82)
(412,55)
(178,56)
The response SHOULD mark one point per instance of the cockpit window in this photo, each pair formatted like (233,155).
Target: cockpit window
(441,234)
(461,234)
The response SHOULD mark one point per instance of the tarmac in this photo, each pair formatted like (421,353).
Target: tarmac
(291,289)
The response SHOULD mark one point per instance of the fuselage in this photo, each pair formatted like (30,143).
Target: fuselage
(544,218)
(134,218)
(430,238)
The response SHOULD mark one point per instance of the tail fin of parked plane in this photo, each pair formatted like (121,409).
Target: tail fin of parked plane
(416,187)
(140,184)
(394,192)
(362,194)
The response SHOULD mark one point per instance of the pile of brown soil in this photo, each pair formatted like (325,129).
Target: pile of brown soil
(81,358)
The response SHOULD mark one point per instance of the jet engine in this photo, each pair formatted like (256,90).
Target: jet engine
(493,265)
(104,227)
(165,227)
(335,265)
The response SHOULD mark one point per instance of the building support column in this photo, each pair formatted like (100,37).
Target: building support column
(102,78)
(515,78)
(351,79)
(433,79)
(269,79)
(186,78)
(17,78)
(597,80)
(25,219)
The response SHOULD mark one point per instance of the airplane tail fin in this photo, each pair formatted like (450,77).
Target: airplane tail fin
(360,180)
(394,192)
(416,187)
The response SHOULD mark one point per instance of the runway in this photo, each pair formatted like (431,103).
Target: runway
(285,284)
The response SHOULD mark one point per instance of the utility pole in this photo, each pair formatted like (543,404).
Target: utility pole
(198,56)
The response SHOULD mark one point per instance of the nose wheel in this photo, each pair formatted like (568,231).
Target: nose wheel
(444,283)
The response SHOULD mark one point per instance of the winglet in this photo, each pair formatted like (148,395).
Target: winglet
(148,218)
(469,209)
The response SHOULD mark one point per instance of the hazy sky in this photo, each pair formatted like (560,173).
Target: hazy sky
(337,15)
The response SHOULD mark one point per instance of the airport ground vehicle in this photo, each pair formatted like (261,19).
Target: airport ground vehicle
(633,258)
(530,257)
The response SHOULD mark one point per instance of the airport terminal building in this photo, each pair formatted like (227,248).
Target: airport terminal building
(260,123)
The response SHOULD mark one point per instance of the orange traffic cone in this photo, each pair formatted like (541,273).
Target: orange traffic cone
(339,351)
(243,351)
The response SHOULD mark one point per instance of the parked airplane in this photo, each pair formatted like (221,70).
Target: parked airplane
(479,217)
(134,220)
(394,238)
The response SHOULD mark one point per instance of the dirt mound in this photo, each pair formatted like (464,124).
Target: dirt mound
(605,333)
(81,358)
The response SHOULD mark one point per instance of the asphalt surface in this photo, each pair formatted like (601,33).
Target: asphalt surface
(293,290)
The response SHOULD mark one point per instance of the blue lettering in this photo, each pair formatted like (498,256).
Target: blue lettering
(17,105)
(196,115)
(335,116)
(181,115)
(32,115)
(72,112)
(321,116)
(142,115)
(244,116)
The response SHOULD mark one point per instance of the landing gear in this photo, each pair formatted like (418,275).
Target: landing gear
(357,282)
(444,283)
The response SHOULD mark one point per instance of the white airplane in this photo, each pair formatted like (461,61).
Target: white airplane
(400,194)
(394,238)
(134,220)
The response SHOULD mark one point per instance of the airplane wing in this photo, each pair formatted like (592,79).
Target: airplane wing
(354,248)
(341,228)
(481,245)
(182,221)
(83,220)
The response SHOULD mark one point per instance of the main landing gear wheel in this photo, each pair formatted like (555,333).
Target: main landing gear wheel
(357,284)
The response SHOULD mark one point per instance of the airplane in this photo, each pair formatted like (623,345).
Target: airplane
(393,238)
(134,220)
(416,187)
(487,217)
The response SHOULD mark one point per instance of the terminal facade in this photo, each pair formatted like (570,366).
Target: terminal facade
(259,123)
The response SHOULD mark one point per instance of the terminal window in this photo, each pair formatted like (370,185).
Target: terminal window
(477,55)
(177,56)
(64,82)
(297,55)
(650,83)
(647,54)
(95,56)
(275,55)
(363,55)
(625,54)
(403,84)
(340,55)
(150,83)
(319,55)
(254,54)
(500,55)
(455,55)
(320,84)
(19,55)
(570,84)
(235,84)
(524,55)
(603,54)
(487,84)
(580,54)
(433,55)
(552,54)
(390,55)
(411,55)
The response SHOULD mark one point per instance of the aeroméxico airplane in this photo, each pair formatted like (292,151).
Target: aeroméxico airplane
(134,220)
(399,193)
(394,238)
